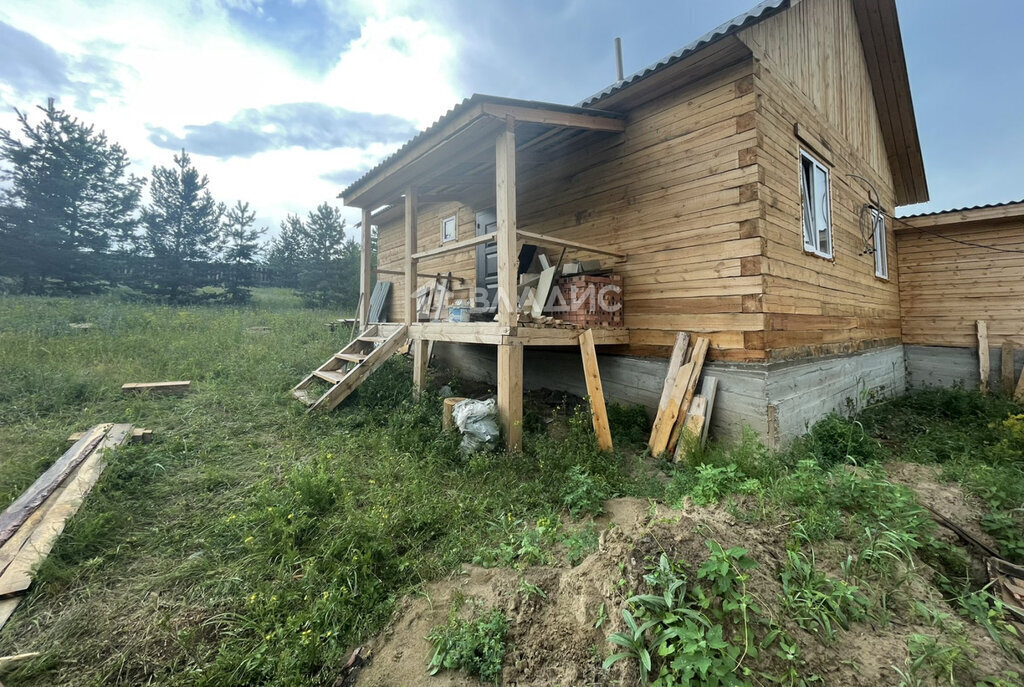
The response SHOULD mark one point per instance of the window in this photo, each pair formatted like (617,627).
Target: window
(449,229)
(881,247)
(817,211)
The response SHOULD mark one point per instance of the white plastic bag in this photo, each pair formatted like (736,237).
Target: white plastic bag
(478,422)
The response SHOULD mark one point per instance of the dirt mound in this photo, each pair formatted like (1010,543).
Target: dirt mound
(557,639)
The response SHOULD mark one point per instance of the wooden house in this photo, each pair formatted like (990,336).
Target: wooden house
(956,268)
(742,187)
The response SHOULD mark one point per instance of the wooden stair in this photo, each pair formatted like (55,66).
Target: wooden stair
(349,367)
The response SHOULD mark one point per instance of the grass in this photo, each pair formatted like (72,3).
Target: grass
(250,543)
(253,544)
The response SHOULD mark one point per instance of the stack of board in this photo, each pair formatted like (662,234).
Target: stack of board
(29,527)
(681,408)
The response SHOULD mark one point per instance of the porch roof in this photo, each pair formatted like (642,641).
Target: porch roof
(457,150)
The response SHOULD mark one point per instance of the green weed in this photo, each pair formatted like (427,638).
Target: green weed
(475,646)
(816,602)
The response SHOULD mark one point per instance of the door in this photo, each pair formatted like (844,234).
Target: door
(486,265)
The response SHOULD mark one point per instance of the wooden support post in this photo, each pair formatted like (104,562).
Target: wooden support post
(1009,378)
(508,257)
(364,272)
(448,418)
(410,248)
(595,391)
(984,365)
(419,366)
(510,393)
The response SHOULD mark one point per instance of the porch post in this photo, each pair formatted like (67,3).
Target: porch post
(510,355)
(364,272)
(410,248)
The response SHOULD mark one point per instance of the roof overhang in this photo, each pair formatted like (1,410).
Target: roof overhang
(463,140)
(947,218)
(882,41)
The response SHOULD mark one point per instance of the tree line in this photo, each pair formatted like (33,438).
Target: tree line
(74,219)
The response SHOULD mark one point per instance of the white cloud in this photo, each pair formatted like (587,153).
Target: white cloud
(185,63)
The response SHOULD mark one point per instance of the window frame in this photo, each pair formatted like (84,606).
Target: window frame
(814,248)
(455,227)
(881,253)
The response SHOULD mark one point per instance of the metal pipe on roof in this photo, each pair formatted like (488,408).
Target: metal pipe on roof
(620,75)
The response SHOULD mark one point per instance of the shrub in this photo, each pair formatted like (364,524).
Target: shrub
(475,646)
(585,493)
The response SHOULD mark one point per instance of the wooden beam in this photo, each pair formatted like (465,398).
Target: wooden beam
(452,247)
(956,217)
(427,275)
(156,387)
(984,365)
(595,391)
(544,238)
(674,363)
(592,122)
(419,366)
(668,411)
(505,189)
(365,275)
(510,394)
(1007,370)
(700,351)
(410,261)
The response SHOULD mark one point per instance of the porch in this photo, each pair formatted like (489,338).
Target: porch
(472,156)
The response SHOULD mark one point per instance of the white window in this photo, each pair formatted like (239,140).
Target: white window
(449,228)
(817,211)
(881,247)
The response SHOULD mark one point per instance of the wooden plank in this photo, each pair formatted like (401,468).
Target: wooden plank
(365,276)
(410,261)
(7,607)
(506,235)
(693,425)
(665,420)
(157,387)
(597,121)
(8,660)
(540,298)
(595,391)
(17,576)
(453,247)
(419,366)
(984,365)
(32,498)
(708,389)
(674,363)
(700,350)
(555,241)
(1008,350)
(510,394)
(448,417)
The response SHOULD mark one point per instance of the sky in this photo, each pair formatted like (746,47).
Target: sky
(285,102)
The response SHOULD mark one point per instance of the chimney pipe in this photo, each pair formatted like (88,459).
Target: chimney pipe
(618,59)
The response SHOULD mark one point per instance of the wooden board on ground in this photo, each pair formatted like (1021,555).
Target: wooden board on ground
(22,508)
(17,576)
(595,391)
(983,360)
(156,387)
(1008,351)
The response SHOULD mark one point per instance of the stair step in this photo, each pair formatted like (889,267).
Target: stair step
(372,339)
(330,376)
(351,357)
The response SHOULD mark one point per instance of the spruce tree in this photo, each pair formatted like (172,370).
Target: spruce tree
(68,197)
(240,249)
(182,229)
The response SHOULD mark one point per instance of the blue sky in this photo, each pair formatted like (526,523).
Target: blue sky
(283,102)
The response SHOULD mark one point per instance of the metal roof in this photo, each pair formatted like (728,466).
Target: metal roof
(757,14)
(966,209)
(475,99)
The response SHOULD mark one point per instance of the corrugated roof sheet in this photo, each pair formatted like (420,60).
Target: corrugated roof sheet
(753,16)
(967,209)
(475,99)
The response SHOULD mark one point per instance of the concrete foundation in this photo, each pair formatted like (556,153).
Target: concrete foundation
(947,366)
(778,401)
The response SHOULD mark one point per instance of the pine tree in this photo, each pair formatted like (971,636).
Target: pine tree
(182,229)
(68,197)
(322,251)
(240,249)
(285,253)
